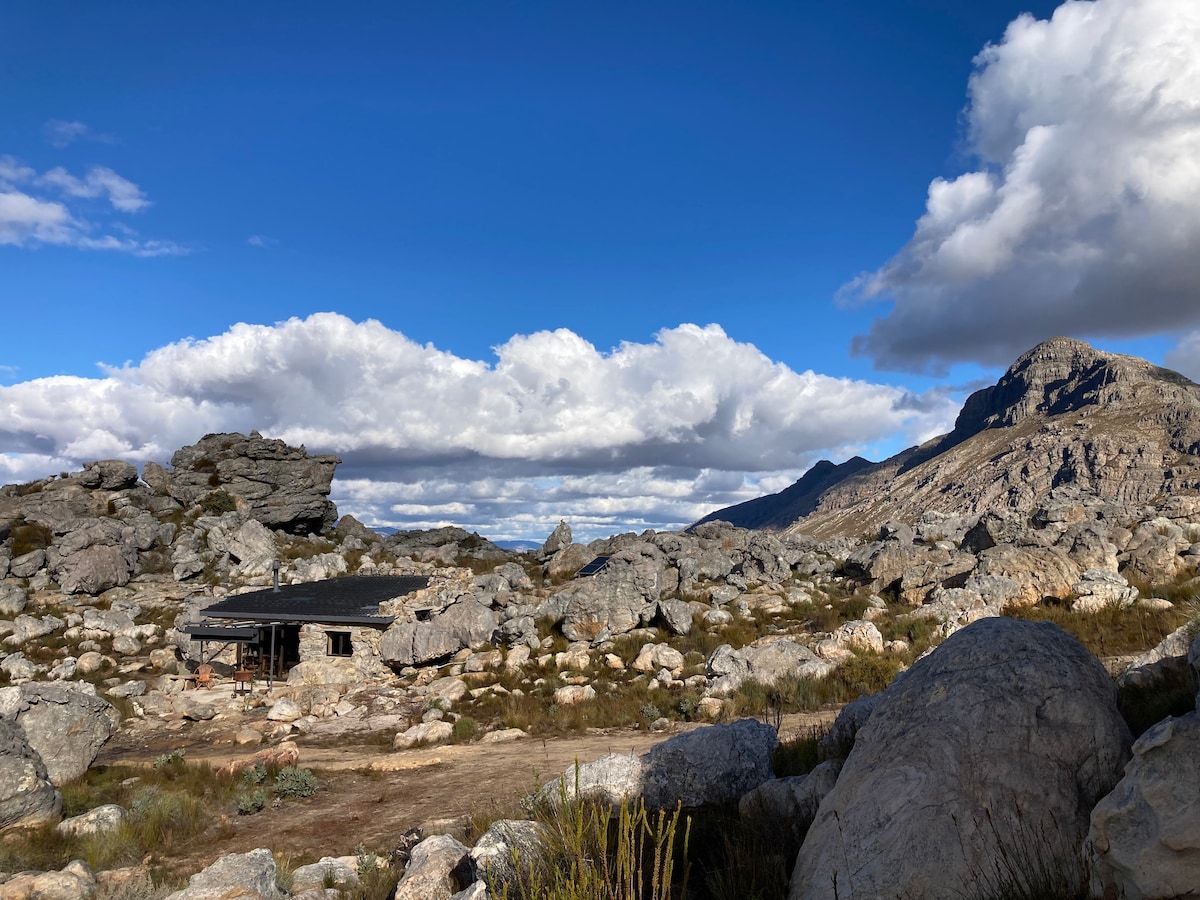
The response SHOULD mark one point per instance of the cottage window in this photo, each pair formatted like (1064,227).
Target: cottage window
(339,643)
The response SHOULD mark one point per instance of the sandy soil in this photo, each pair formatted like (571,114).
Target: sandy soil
(371,795)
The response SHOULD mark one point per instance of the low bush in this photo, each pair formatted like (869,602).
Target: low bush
(292,783)
(217,503)
(466,729)
(251,802)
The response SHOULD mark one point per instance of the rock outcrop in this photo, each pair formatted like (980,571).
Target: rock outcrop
(983,759)
(65,723)
(1144,842)
(26,795)
(282,486)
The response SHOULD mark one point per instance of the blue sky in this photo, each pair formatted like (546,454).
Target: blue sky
(478,176)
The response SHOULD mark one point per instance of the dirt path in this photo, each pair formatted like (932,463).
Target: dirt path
(370,795)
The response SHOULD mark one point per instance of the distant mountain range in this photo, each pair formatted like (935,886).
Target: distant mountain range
(1064,413)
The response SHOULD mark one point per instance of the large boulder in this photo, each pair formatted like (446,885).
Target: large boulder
(93,570)
(714,764)
(280,486)
(1041,572)
(238,876)
(979,767)
(438,868)
(417,643)
(26,795)
(606,605)
(765,662)
(1145,837)
(66,723)
(75,881)
(791,802)
(559,539)
(108,475)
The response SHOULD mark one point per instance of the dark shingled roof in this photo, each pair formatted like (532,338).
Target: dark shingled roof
(350,600)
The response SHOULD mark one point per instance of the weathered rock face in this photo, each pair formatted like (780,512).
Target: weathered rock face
(606,605)
(790,802)
(714,764)
(993,748)
(238,876)
(26,795)
(283,487)
(465,623)
(64,723)
(505,841)
(75,881)
(766,662)
(1145,837)
(559,539)
(438,868)
(1064,413)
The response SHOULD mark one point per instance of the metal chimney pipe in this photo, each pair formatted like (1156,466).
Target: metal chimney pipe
(275,571)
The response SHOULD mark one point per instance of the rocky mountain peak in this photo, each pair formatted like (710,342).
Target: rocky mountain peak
(1063,375)
(1063,413)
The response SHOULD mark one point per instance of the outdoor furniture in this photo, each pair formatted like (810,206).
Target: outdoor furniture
(205,676)
(243,681)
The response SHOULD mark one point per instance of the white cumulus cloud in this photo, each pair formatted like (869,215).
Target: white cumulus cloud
(1083,216)
(652,434)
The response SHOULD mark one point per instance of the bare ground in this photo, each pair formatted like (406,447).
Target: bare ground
(370,795)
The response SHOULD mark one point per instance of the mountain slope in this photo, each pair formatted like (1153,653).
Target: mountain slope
(1063,413)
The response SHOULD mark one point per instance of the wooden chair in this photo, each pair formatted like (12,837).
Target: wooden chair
(205,676)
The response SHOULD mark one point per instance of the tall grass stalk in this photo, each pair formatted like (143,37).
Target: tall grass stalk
(596,852)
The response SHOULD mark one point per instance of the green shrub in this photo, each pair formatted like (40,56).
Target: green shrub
(172,760)
(251,802)
(218,503)
(257,774)
(292,783)
(30,536)
(466,729)
(867,673)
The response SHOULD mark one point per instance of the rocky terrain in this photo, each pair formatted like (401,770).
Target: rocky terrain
(1064,414)
(1003,722)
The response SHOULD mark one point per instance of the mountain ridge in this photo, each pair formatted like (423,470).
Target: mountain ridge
(1062,413)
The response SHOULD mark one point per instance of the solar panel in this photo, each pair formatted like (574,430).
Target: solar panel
(352,599)
(592,568)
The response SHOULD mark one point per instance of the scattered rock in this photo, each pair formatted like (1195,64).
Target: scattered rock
(435,732)
(330,871)
(101,818)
